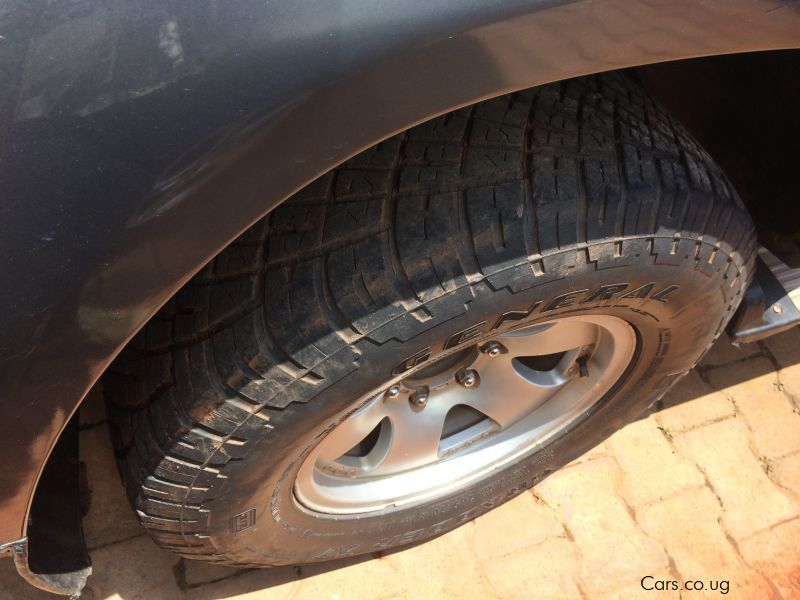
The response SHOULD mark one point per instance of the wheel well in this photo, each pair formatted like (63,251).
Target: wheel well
(748,132)
(742,108)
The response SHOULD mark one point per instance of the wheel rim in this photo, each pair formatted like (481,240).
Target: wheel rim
(464,416)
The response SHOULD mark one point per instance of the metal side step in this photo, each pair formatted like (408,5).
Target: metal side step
(788,277)
(772,302)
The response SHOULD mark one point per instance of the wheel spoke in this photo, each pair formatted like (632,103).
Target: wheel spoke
(352,430)
(506,397)
(415,436)
(549,338)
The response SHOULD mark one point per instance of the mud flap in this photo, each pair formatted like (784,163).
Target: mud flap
(53,556)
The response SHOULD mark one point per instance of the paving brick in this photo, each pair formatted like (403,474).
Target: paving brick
(786,350)
(200,572)
(786,473)
(751,501)
(775,425)
(503,531)
(776,554)
(446,567)
(770,414)
(12,586)
(545,572)
(692,402)
(636,591)
(688,527)
(151,578)
(375,579)
(110,517)
(441,567)
(258,584)
(785,347)
(652,469)
(790,382)
(599,451)
(594,513)
(724,352)
(356,579)
(745,378)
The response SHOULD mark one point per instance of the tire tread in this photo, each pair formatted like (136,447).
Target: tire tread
(508,194)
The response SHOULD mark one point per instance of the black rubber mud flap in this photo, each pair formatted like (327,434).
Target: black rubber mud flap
(53,557)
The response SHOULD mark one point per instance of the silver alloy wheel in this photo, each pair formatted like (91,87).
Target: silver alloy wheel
(465,415)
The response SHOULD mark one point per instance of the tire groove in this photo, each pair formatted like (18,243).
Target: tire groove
(293,364)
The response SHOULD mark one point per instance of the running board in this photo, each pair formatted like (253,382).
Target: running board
(772,302)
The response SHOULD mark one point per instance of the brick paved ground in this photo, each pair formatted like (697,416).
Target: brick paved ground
(708,488)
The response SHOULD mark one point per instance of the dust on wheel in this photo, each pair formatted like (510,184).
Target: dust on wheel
(466,415)
(430,329)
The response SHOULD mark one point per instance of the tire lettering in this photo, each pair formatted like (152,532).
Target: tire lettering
(400,538)
(605,292)
(641,291)
(515,315)
(242,521)
(662,295)
(412,361)
(563,300)
(465,335)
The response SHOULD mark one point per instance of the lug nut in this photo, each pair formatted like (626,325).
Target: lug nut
(493,349)
(419,399)
(393,392)
(468,378)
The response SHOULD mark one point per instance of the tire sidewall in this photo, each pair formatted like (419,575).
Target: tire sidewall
(673,332)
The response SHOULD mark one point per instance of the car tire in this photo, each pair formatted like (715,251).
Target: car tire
(573,234)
